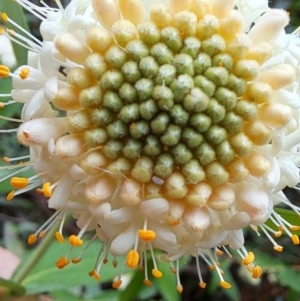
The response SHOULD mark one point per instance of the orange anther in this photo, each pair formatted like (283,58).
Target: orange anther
(4,71)
(173,270)
(225,284)
(114,263)
(278,248)
(76,260)
(248,259)
(62,262)
(202,284)
(47,189)
(146,235)
(75,241)
(294,228)
(10,195)
(147,282)
(94,274)
(1,105)
(257,271)
(212,267)
(4,17)
(219,252)
(132,258)
(24,73)
(278,233)
(42,233)
(5,159)
(59,237)
(156,273)
(295,239)
(117,283)
(31,239)
(179,288)
(19,182)
(105,261)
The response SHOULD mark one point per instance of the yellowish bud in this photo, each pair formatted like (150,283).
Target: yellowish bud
(98,40)
(161,15)
(132,10)
(260,52)
(257,164)
(66,99)
(220,8)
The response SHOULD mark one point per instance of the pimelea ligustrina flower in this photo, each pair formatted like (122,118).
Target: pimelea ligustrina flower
(180,126)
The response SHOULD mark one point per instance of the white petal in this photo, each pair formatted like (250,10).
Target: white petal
(155,208)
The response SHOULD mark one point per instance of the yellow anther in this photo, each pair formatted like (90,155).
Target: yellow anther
(1,103)
(147,282)
(39,191)
(75,241)
(212,267)
(62,262)
(31,239)
(59,237)
(19,182)
(250,268)
(146,235)
(156,273)
(5,159)
(294,228)
(179,289)
(278,248)
(278,233)
(10,195)
(248,259)
(280,228)
(2,30)
(117,283)
(4,17)
(173,270)
(225,284)
(219,252)
(295,239)
(42,234)
(257,271)
(4,71)
(47,190)
(94,274)
(132,258)
(202,284)
(24,73)
(76,260)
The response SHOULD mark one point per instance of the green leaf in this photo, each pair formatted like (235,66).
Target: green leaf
(16,13)
(45,276)
(108,295)
(63,295)
(14,289)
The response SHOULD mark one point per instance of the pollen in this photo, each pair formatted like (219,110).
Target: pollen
(295,239)
(147,235)
(19,182)
(248,259)
(31,239)
(225,284)
(75,241)
(132,259)
(59,237)
(156,273)
(62,262)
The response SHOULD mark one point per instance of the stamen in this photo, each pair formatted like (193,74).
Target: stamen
(8,160)
(75,240)
(276,247)
(155,272)
(58,234)
(146,281)
(202,284)
(179,285)
(79,257)
(132,258)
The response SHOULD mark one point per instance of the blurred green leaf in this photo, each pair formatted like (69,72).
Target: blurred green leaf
(14,288)
(108,295)
(63,295)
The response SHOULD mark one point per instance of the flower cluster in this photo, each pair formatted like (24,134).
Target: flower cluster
(168,125)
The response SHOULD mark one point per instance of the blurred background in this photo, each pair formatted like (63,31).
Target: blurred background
(42,280)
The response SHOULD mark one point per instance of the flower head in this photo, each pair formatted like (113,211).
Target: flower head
(180,125)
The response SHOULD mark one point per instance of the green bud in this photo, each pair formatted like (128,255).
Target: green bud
(115,57)
(223,60)
(102,117)
(204,153)
(205,85)
(164,97)
(215,111)
(79,121)
(179,115)
(164,165)
(149,33)
(160,123)
(139,129)
(111,80)
(184,64)
(162,54)
(236,84)
(172,38)
(193,172)
(143,169)
(181,86)
(144,88)
(171,136)
(166,74)
(216,174)
(95,137)
(112,101)
(117,129)
(91,97)
(152,146)
(201,63)
(241,144)
(120,166)
(181,153)
(246,109)
(191,46)
(96,64)
(232,122)
(207,26)
(226,98)
(215,135)
(191,137)
(247,69)
(218,75)
(148,109)
(112,149)
(213,45)
(132,149)
(225,153)
(200,122)
(128,93)
(131,72)
(137,49)
(130,113)
(149,67)
(196,101)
